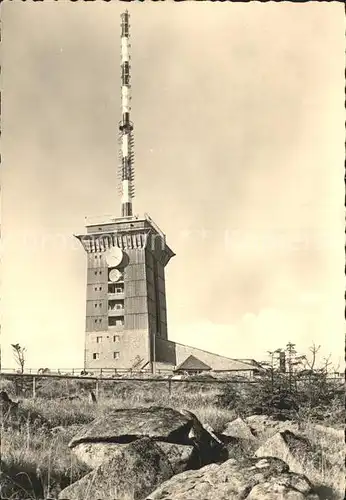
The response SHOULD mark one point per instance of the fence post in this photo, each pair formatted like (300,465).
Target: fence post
(97,390)
(169,386)
(34,387)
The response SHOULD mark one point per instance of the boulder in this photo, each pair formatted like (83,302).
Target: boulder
(131,473)
(285,487)
(236,480)
(211,431)
(7,406)
(94,454)
(264,425)
(126,425)
(193,446)
(181,457)
(288,447)
(210,448)
(237,447)
(240,429)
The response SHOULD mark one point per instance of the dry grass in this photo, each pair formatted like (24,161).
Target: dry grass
(329,448)
(45,465)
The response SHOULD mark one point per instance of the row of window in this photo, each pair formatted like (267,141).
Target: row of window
(112,288)
(115,288)
(116,355)
(112,304)
(116,338)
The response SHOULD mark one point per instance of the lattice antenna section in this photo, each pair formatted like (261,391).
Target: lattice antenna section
(126,141)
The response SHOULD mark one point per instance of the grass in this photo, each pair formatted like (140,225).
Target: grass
(38,462)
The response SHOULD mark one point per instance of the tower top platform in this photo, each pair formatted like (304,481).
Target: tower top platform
(128,232)
(97,224)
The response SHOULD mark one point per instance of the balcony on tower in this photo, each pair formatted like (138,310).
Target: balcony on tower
(115,307)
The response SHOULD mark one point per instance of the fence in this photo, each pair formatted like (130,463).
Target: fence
(138,379)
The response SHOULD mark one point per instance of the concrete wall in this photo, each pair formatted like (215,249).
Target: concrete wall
(132,346)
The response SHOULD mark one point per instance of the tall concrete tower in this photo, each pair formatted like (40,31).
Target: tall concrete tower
(126,259)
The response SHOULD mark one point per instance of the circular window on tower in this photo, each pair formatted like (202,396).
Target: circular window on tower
(114,257)
(115,275)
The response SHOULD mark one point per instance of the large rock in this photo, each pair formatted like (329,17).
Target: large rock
(265,426)
(285,487)
(237,480)
(287,446)
(185,441)
(238,428)
(126,425)
(8,408)
(210,448)
(181,457)
(94,454)
(131,473)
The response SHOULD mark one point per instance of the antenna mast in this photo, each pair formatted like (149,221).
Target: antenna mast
(126,170)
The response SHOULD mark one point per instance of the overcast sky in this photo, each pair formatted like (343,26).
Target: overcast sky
(239,151)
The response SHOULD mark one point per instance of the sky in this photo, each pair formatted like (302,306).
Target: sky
(238,112)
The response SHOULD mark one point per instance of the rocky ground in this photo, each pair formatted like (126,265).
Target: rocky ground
(164,453)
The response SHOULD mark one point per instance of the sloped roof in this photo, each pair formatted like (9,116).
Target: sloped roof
(237,365)
(192,363)
(251,362)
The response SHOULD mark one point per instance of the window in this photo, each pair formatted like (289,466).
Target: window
(100,304)
(95,305)
(100,288)
(116,338)
(96,355)
(116,355)
(115,304)
(98,340)
(113,321)
(95,272)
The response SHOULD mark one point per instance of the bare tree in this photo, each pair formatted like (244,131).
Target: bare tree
(314,349)
(19,355)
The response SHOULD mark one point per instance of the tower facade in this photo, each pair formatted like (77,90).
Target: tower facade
(126,259)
